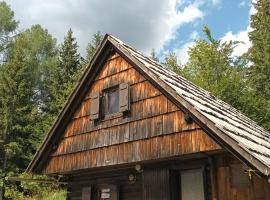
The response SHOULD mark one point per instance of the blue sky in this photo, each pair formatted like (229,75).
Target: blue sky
(165,25)
(226,19)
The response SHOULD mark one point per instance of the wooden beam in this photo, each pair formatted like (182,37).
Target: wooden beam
(18,179)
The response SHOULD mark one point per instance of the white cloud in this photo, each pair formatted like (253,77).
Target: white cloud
(143,24)
(241,36)
(215,2)
(194,35)
(242,3)
(182,52)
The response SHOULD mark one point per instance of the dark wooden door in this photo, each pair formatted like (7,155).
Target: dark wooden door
(156,184)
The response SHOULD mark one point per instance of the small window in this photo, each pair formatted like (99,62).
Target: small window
(192,184)
(111,101)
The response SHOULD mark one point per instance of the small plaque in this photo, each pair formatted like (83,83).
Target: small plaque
(105,195)
(105,190)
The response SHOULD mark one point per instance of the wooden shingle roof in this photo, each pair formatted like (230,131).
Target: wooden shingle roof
(244,131)
(225,124)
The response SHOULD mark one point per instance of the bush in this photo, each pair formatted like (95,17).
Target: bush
(34,190)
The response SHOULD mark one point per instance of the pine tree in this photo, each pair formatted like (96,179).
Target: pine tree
(213,67)
(18,110)
(171,63)
(259,55)
(153,55)
(260,49)
(8,26)
(92,46)
(65,74)
(69,59)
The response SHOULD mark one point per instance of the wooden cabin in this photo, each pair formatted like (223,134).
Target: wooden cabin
(134,130)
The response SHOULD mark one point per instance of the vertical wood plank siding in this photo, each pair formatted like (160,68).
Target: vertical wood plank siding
(156,184)
(127,191)
(259,189)
(156,128)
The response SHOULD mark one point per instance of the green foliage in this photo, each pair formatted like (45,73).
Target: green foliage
(260,51)
(21,95)
(7,24)
(69,58)
(64,76)
(213,67)
(92,46)
(259,56)
(50,194)
(35,190)
(35,81)
(18,111)
(172,63)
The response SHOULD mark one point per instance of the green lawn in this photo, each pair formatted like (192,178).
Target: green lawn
(54,195)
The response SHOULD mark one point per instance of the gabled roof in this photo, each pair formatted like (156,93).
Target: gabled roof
(225,124)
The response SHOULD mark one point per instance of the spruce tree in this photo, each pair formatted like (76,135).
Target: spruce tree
(153,55)
(8,26)
(260,49)
(213,67)
(18,110)
(69,58)
(171,63)
(259,55)
(92,46)
(65,74)
(22,83)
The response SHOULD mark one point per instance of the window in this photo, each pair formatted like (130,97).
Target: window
(111,101)
(191,182)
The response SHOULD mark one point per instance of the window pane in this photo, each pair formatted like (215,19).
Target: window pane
(192,185)
(113,101)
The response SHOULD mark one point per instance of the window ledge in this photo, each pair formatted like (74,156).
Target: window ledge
(112,116)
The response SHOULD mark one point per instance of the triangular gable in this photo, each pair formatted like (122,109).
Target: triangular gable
(154,129)
(183,94)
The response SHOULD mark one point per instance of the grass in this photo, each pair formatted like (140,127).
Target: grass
(53,195)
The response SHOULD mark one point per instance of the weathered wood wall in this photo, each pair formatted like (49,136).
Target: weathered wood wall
(155,129)
(127,191)
(259,189)
(156,184)
(160,181)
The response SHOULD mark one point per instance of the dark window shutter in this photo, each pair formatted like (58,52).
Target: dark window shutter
(95,106)
(86,193)
(124,97)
